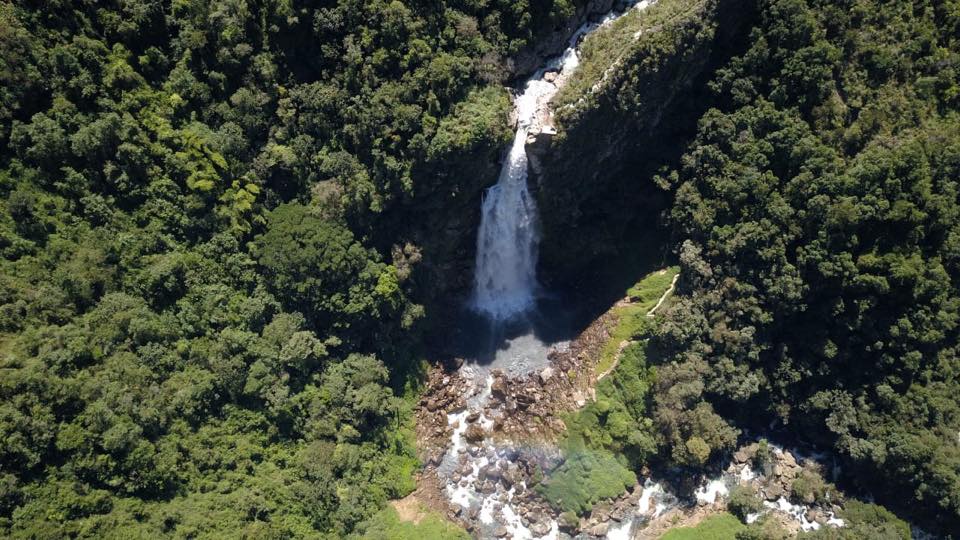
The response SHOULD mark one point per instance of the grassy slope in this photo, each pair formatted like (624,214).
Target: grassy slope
(632,318)
(607,45)
(597,464)
(719,527)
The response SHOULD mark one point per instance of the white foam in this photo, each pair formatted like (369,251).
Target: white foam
(649,490)
(711,491)
(799,513)
(620,531)
(747,474)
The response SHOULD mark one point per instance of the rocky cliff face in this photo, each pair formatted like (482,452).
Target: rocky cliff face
(634,101)
(593,155)
(444,224)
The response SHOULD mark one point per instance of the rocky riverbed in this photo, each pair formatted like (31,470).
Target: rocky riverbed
(487,436)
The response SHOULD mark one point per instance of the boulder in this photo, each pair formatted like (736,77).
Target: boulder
(489,472)
(601,512)
(538,144)
(474,433)
(498,388)
(510,476)
(746,453)
(816,516)
(525,400)
(600,529)
(541,528)
(773,491)
(620,514)
(546,374)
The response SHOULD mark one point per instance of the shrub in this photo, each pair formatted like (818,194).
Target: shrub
(743,501)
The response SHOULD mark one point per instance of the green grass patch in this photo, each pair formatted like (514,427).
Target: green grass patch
(632,320)
(584,479)
(719,527)
(386,525)
(617,420)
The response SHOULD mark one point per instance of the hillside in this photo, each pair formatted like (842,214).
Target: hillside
(237,240)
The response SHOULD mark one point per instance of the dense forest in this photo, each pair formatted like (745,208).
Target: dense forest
(205,330)
(819,218)
(214,287)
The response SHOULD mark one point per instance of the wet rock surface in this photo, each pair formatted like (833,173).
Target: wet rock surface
(486,438)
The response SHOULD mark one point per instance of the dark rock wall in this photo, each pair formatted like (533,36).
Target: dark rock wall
(598,201)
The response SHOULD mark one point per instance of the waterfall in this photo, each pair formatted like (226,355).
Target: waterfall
(505,281)
(507,241)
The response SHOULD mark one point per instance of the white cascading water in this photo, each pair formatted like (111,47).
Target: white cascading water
(505,282)
(506,279)
(507,243)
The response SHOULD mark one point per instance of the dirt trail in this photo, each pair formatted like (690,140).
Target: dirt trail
(409,508)
(664,296)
